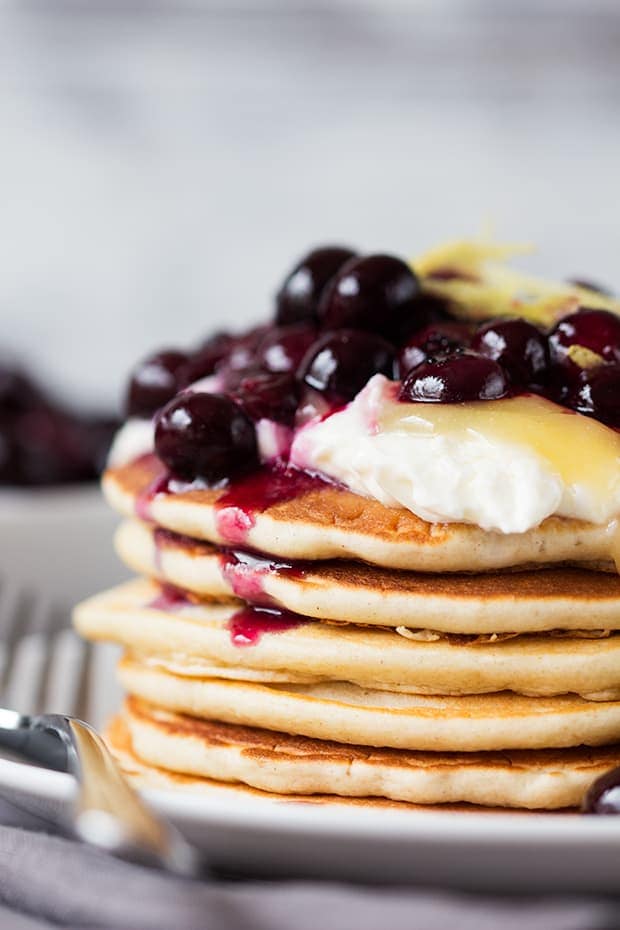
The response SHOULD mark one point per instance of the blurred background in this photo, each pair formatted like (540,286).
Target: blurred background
(164,163)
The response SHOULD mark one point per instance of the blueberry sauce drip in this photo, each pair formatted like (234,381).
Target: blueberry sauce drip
(246,572)
(159,484)
(243,499)
(246,626)
(250,623)
(169,598)
(162,537)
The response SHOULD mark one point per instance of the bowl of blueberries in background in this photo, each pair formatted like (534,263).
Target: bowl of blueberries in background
(54,526)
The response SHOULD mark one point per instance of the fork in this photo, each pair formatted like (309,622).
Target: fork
(44,666)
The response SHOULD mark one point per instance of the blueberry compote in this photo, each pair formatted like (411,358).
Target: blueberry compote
(283,347)
(267,395)
(205,436)
(169,598)
(203,362)
(250,623)
(246,573)
(377,293)
(597,330)
(227,409)
(519,347)
(298,299)
(266,487)
(42,442)
(597,394)
(154,382)
(455,379)
(433,341)
(340,363)
(603,797)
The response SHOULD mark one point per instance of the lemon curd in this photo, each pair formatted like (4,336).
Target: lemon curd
(581,451)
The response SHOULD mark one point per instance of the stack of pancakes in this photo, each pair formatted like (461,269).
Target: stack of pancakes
(321,643)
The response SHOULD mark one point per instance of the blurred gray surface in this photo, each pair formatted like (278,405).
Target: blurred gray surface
(162,164)
(56,544)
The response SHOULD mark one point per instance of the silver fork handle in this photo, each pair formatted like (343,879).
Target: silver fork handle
(109,813)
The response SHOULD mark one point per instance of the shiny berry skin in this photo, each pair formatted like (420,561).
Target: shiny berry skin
(597,330)
(242,351)
(268,396)
(376,293)
(603,797)
(340,363)
(434,340)
(598,394)
(298,299)
(154,382)
(203,362)
(205,436)
(455,379)
(283,347)
(518,346)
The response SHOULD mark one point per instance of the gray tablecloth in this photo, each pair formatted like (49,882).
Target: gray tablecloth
(47,881)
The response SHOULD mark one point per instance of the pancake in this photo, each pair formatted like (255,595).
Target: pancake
(270,761)
(151,777)
(196,640)
(326,522)
(527,601)
(346,713)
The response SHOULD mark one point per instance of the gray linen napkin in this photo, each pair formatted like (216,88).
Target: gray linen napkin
(47,881)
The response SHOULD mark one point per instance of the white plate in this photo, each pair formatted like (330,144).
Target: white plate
(490,851)
(259,835)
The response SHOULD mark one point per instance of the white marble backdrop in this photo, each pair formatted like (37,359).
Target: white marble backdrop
(161,164)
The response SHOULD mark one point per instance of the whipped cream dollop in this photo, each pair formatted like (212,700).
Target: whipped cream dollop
(503,465)
(136,437)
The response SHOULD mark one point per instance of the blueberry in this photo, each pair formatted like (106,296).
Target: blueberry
(455,379)
(519,347)
(432,341)
(598,394)
(283,347)
(205,436)
(268,395)
(376,293)
(340,363)
(597,330)
(203,362)
(154,382)
(298,298)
